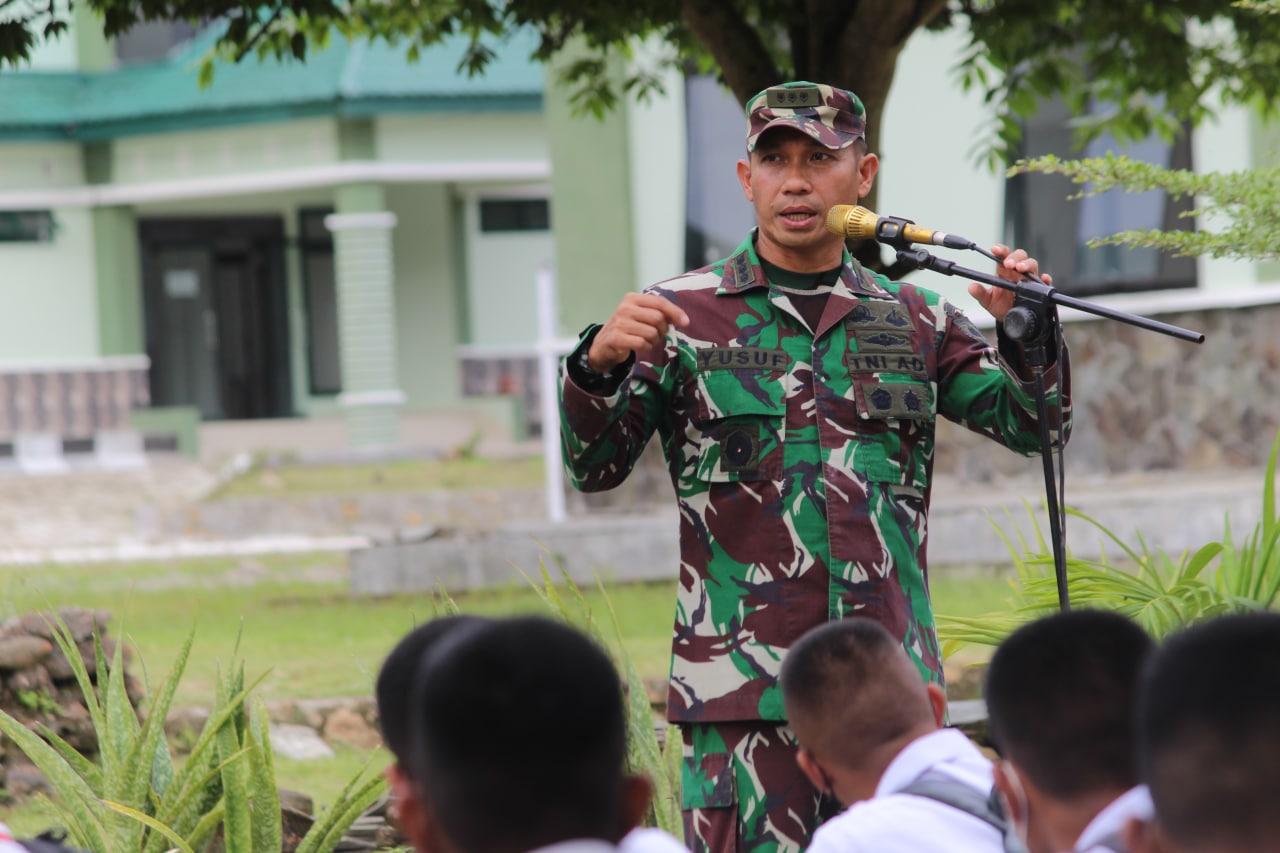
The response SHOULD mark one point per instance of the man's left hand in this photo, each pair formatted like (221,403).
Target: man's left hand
(1013,263)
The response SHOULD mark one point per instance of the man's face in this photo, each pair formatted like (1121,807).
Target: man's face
(792,181)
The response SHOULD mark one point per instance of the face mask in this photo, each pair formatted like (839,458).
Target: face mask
(1016,841)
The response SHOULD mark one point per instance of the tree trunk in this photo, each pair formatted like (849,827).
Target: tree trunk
(854,45)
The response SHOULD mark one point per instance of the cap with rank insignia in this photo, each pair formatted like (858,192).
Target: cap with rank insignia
(834,117)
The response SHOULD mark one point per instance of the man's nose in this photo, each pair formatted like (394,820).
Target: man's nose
(796,180)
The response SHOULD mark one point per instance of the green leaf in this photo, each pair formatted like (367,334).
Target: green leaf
(150,822)
(334,821)
(264,793)
(235,782)
(75,795)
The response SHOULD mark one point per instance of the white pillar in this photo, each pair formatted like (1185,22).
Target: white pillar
(363,259)
(549,352)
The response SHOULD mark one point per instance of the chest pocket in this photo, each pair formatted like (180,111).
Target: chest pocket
(740,422)
(897,413)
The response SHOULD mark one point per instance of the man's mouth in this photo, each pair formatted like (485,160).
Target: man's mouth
(797,216)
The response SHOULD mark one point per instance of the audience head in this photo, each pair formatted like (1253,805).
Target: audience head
(1061,694)
(519,741)
(1209,739)
(854,699)
(395,680)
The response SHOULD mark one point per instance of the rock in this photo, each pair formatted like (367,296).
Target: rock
(80,622)
(18,653)
(297,801)
(294,825)
(312,711)
(298,742)
(347,726)
(185,722)
(23,780)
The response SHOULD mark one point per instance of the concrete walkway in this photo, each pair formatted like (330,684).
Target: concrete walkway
(96,516)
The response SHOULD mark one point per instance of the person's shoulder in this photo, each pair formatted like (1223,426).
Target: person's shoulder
(905,291)
(704,278)
(905,822)
(648,839)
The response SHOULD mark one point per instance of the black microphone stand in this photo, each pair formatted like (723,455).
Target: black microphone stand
(1033,321)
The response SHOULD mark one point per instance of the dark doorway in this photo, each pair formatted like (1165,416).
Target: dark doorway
(217,315)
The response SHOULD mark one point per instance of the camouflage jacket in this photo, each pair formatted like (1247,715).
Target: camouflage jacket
(801,463)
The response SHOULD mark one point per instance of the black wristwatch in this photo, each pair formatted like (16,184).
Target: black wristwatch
(584,375)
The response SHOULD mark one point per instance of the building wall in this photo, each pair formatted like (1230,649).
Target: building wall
(427,268)
(591,208)
(656,140)
(51,295)
(463,137)
(928,165)
(222,152)
(49,288)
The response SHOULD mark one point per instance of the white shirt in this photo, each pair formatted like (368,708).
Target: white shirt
(1108,824)
(891,822)
(577,845)
(7,844)
(647,839)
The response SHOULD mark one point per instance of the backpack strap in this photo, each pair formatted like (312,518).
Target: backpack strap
(985,807)
(47,842)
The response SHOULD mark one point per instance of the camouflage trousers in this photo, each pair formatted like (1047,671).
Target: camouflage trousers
(741,789)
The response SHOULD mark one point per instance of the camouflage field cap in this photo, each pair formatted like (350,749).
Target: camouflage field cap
(834,117)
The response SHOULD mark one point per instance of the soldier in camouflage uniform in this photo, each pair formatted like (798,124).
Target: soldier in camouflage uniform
(794,393)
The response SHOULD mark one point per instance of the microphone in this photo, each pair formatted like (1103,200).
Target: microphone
(854,221)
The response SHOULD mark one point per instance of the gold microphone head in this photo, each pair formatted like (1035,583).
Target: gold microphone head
(851,220)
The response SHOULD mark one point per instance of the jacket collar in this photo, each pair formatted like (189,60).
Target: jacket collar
(742,272)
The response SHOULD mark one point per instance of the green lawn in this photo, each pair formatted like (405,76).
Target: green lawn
(298,624)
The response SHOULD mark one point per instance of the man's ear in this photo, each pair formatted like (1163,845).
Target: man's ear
(637,794)
(867,168)
(744,178)
(1011,793)
(938,702)
(1145,836)
(414,817)
(809,767)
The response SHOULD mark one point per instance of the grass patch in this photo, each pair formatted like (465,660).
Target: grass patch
(317,641)
(296,617)
(410,475)
(299,623)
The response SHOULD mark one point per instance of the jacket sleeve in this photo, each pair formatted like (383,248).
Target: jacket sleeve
(603,432)
(989,389)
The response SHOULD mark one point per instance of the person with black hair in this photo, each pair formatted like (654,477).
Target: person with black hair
(871,735)
(394,686)
(1061,694)
(394,692)
(518,743)
(1209,739)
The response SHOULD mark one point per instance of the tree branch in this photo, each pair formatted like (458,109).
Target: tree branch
(799,32)
(827,20)
(242,52)
(736,47)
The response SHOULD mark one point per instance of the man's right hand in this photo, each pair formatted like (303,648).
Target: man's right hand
(640,322)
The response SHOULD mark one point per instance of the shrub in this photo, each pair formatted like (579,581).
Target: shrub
(1160,592)
(134,798)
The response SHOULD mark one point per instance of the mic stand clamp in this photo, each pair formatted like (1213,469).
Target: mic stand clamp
(1033,321)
